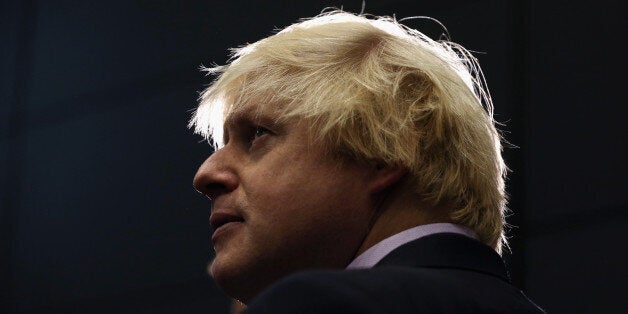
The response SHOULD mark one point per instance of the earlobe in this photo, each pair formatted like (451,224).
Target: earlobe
(386,176)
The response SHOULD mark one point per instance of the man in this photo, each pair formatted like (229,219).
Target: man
(357,171)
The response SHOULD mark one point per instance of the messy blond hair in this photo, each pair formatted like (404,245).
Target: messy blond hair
(377,91)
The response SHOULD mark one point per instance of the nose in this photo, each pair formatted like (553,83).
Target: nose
(216,176)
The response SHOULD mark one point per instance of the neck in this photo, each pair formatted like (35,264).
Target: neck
(400,211)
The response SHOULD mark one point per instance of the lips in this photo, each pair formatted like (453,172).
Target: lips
(218,219)
(224,224)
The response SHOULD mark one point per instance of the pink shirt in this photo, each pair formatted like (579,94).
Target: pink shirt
(375,253)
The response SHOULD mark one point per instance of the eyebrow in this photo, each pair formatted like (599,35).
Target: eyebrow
(248,116)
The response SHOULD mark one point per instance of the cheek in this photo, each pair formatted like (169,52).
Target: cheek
(297,191)
(281,183)
(314,203)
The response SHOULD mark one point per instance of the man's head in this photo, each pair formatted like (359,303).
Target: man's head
(316,125)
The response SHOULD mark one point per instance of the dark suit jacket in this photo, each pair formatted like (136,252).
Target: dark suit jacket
(439,273)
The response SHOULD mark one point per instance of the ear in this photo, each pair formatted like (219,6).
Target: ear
(384,176)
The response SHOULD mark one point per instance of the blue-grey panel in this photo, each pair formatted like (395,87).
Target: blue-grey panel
(107,205)
(83,47)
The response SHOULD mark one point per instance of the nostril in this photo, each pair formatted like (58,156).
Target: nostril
(212,190)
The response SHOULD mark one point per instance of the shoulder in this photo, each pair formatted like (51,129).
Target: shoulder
(389,290)
(312,292)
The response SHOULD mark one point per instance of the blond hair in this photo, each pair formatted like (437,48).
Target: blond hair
(377,91)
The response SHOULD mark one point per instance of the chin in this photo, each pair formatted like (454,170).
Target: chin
(232,279)
(220,272)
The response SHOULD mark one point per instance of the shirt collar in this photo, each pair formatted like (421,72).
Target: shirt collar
(374,254)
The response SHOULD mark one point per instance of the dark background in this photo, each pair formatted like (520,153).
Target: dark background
(98,214)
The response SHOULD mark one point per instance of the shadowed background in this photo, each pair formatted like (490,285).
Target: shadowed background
(97,210)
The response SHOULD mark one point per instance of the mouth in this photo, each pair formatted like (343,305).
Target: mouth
(223,223)
(217,220)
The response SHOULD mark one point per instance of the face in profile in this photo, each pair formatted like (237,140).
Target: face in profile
(280,204)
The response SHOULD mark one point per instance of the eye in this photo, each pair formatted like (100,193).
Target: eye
(260,131)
